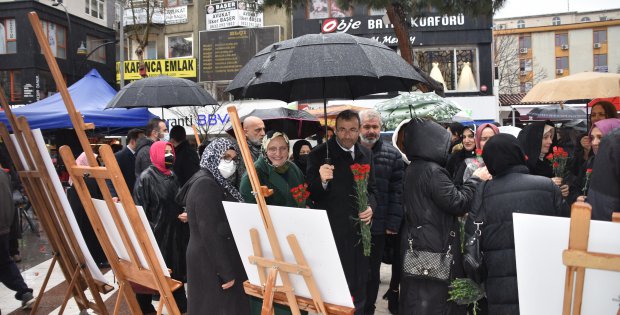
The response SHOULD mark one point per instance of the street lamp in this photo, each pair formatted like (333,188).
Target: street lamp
(55,4)
(82,50)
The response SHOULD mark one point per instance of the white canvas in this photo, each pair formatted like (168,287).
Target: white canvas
(539,243)
(313,232)
(117,241)
(75,228)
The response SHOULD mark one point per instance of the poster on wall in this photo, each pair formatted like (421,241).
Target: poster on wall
(233,14)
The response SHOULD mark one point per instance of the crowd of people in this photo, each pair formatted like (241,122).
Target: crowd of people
(423,188)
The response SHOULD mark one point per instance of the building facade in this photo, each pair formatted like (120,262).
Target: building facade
(24,73)
(537,48)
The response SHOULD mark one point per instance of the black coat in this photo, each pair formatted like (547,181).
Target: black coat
(143,156)
(389,171)
(456,165)
(604,192)
(515,191)
(81,217)
(212,256)
(576,187)
(156,192)
(127,163)
(339,201)
(7,207)
(186,162)
(432,205)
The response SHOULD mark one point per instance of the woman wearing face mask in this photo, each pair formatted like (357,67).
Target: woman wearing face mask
(155,191)
(276,172)
(599,129)
(456,164)
(215,273)
(301,149)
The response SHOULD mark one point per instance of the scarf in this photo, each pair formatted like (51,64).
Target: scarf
(81,161)
(158,156)
(479,132)
(211,158)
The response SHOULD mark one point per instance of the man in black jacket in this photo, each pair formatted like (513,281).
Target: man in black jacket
(186,163)
(332,188)
(155,130)
(387,216)
(126,159)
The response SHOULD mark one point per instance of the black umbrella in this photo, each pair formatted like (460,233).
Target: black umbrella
(556,112)
(161,91)
(297,124)
(322,66)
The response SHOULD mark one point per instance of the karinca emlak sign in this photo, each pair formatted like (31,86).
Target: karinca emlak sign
(178,67)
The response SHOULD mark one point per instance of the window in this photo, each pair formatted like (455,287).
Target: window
(174,3)
(585,19)
(56,36)
(94,8)
(94,43)
(47,85)
(603,18)
(458,68)
(8,37)
(600,36)
(525,87)
(561,39)
(600,63)
(179,46)
(321,9)
(525,65)
(520,24)
(150,50)
(11,80)
(525,41)
(561,63)
(556,20)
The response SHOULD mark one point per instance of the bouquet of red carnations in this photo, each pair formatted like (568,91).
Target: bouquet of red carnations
(361,172)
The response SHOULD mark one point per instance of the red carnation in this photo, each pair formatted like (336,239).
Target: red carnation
(555,164)
(550,156)
(479,152)
(589,170)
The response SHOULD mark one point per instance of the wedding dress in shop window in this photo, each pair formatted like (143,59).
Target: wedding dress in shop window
(467,82)
(437,76)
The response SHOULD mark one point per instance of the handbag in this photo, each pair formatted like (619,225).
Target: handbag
(427,265)
(473,257)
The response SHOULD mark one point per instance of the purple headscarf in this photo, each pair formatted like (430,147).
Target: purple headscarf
(606,125)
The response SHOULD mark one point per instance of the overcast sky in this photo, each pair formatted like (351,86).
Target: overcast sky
(514,8)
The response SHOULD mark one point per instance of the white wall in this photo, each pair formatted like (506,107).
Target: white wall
(580,51)
(543,52)
(613,49)
(77,8)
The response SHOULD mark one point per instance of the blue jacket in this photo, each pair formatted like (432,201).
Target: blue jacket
(389,171)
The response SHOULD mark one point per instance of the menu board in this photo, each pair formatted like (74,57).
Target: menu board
(223,53)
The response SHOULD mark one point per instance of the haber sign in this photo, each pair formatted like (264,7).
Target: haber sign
(233,14)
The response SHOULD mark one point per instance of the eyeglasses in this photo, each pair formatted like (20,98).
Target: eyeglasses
(276,149)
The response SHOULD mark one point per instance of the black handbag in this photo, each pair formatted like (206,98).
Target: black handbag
(427,265)
(473,256)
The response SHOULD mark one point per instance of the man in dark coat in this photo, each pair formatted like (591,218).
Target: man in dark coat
(389,170)
(332,188)
(432,204)
(186,163)
(9,273)
(126,159)
(512,190)
(604,192)
(155,130)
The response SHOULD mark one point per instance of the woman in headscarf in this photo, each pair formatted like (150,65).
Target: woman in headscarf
(599,130)
(483,134)
(276,172)
(155,191)
(511,190)
(301,149)
(215,271)
(456,163)
(604,190)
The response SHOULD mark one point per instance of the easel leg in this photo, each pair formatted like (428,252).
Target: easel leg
(310,283)
(579,280)
(270,287)
(69,289)
(35,307)
(160,307)
(568,291)
(121,292)
(130,297)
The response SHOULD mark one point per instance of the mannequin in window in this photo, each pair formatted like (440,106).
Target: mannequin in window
(436,74)
(467,82)
(2,39)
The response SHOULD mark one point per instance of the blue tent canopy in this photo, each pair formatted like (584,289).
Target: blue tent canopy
(90,96)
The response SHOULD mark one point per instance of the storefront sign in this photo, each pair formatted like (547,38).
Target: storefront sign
(179,68)
(167,16)
(233,14)
(223,53)
(10,29)
(175,15)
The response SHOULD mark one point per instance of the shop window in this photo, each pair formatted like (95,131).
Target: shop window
(94,43)
(456,68)
(556,21)
(11,81)
(179,46)
(94,8)
(600,36)
(561,39)
(321,9)
(175,3)
(47,84)
(600,63)
(525,41)
(8,36)
(57,38)
(585,19)
(520,24)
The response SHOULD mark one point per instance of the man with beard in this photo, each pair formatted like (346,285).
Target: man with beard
(155,130)
(254,129)
(332,187)
(387,216)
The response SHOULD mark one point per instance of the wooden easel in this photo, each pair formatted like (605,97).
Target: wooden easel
(577,258)
(128,272)
(269,269)
(46,203)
